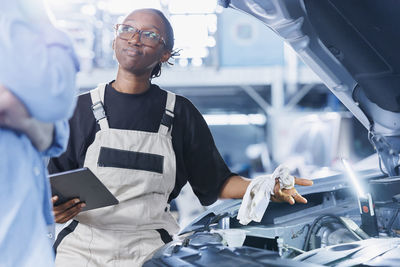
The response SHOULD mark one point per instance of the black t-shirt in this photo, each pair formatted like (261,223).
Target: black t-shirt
(197,158)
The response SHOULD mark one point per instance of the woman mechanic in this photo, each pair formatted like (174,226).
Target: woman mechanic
(145,148)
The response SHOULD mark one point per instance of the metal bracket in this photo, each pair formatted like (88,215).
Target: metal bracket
(388,155)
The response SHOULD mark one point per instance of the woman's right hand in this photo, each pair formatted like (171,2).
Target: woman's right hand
(66,211)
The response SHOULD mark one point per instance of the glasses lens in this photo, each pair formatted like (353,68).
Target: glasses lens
(125,31)
(150,38)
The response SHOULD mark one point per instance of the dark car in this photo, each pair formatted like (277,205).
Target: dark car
(352,45)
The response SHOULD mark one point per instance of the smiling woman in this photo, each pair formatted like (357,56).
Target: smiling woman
(155,48)
(116,131)
(141,122)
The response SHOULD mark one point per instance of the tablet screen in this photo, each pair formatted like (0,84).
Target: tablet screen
(82,184)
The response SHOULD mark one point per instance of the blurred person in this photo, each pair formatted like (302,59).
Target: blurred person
(144,144)
(37,89)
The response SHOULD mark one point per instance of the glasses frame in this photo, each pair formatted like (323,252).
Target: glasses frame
(161,39)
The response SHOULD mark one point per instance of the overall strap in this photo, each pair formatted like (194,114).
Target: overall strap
(168,116)
(99,113)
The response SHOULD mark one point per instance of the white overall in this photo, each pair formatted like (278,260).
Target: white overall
(139,168)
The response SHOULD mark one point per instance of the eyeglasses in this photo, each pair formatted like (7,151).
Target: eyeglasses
(149,38)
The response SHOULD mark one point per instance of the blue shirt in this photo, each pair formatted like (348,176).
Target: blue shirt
(38,65)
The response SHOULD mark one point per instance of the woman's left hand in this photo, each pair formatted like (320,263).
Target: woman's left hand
(291,195)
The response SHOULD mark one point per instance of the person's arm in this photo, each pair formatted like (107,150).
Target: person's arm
(59,139)
(209,176)
(14,115)
(77,140)
(203,167)
(67,161)
(40,133)
(236,186)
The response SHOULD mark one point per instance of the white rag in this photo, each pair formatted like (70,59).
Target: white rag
(258,194)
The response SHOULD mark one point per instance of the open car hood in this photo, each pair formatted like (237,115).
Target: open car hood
(353,47)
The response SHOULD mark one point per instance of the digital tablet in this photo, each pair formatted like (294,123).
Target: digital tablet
(82,184)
